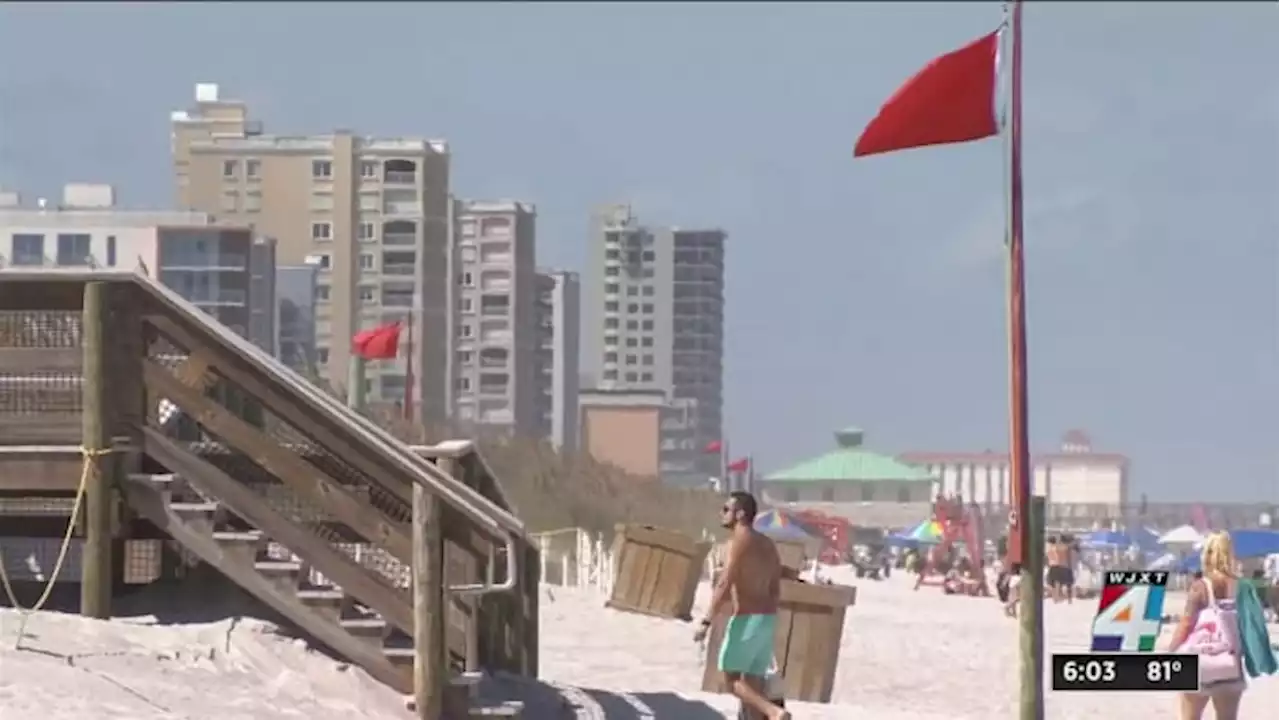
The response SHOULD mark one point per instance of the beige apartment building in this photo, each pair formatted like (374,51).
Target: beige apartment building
(496,323)
(371,214)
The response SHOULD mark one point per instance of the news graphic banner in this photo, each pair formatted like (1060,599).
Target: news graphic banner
(1123,642)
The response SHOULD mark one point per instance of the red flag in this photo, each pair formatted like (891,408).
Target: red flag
(951,100)
(714,446)
(738,466)
(380,343)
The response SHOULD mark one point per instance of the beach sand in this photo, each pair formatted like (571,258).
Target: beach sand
(906,656)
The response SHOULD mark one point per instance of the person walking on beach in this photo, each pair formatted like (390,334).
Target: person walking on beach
(750,582)
(1057,556)
(1223,623)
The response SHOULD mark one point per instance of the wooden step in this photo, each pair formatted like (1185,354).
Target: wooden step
(199,516)
(242,546)
(323,601)
(283,575)
(371,629)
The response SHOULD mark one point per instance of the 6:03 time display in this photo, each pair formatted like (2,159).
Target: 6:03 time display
(1126,671)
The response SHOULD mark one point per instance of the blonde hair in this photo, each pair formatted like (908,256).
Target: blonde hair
(1216,556)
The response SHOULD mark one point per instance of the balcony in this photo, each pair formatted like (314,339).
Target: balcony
(204,263)
(400,172)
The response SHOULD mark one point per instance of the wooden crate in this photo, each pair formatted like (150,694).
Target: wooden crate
(656,571)
(807,647)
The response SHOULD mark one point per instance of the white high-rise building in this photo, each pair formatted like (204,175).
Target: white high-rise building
(559,309)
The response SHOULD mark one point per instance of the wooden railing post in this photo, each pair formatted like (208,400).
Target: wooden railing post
(96,566)
(429,666)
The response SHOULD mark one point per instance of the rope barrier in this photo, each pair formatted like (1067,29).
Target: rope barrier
(26,613)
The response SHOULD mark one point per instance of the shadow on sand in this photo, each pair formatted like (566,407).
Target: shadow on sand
(545,701)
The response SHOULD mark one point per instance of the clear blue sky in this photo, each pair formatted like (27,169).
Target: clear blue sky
(865,293)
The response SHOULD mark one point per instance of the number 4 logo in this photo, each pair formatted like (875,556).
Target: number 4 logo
(1126,619)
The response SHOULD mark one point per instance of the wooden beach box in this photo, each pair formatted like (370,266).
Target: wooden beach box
(792,554)
(807,647)
(656,571)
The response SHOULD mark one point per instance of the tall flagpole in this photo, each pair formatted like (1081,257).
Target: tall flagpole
(1026,521)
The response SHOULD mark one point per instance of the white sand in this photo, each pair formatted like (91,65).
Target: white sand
(906,656)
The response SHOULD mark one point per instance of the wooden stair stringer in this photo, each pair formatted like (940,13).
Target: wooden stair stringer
(150,503)
(393,605)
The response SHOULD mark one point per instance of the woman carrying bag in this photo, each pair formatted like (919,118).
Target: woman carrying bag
(1225,625)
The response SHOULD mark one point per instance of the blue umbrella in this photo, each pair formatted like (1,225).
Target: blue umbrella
(1255,543)
(1105,539)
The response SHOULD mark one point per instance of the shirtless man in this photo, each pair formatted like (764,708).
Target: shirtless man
(1056,557)
(750,580)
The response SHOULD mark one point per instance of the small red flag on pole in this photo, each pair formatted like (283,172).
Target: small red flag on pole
(380,343)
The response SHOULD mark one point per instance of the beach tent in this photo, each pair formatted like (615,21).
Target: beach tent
(1185,535)
(784,526)
(1247,545)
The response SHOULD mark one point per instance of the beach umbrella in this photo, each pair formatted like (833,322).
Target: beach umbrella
(1105,539)
(1254,543)
(928,531)
(784,526)
(1185,535)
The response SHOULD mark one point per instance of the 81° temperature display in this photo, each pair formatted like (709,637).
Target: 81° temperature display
(1126,671)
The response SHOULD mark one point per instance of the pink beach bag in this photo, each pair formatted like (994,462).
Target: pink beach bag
(1215,638)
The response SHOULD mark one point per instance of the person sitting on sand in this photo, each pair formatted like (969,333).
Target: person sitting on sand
(751,583)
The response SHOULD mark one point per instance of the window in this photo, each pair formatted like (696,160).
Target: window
(366,231)
(321,169)
(632,290)
(465,357)
(611,272)
(646,360)
(648,256)
(610,374)
(321,202)
(611,323)
(612,254)
(73,249)
(611,340)
(230,201)
(324,261)
(463,384)
(366,293)
(631,342)
(368,169)
(646,377)
(467,253)
(466,330)
(468,280)
(28,249)
(468,228)
(252,168)
(611,307)
(828,494)
(322,293)
(322,356)
(632,325)
(647,308)
(230,168)
(321,231)
(611,288)
(646,272)
(252,202)
(647,291)
(646,341)
(647,325)
(631,359)
(633,308)
(111,251)
(467,305)
(632,377)
(611,357)
(366,261)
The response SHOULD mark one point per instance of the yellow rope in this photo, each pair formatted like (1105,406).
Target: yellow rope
(25,613)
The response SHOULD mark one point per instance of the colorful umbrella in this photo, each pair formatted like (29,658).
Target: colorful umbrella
(784,526)
(927,531)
